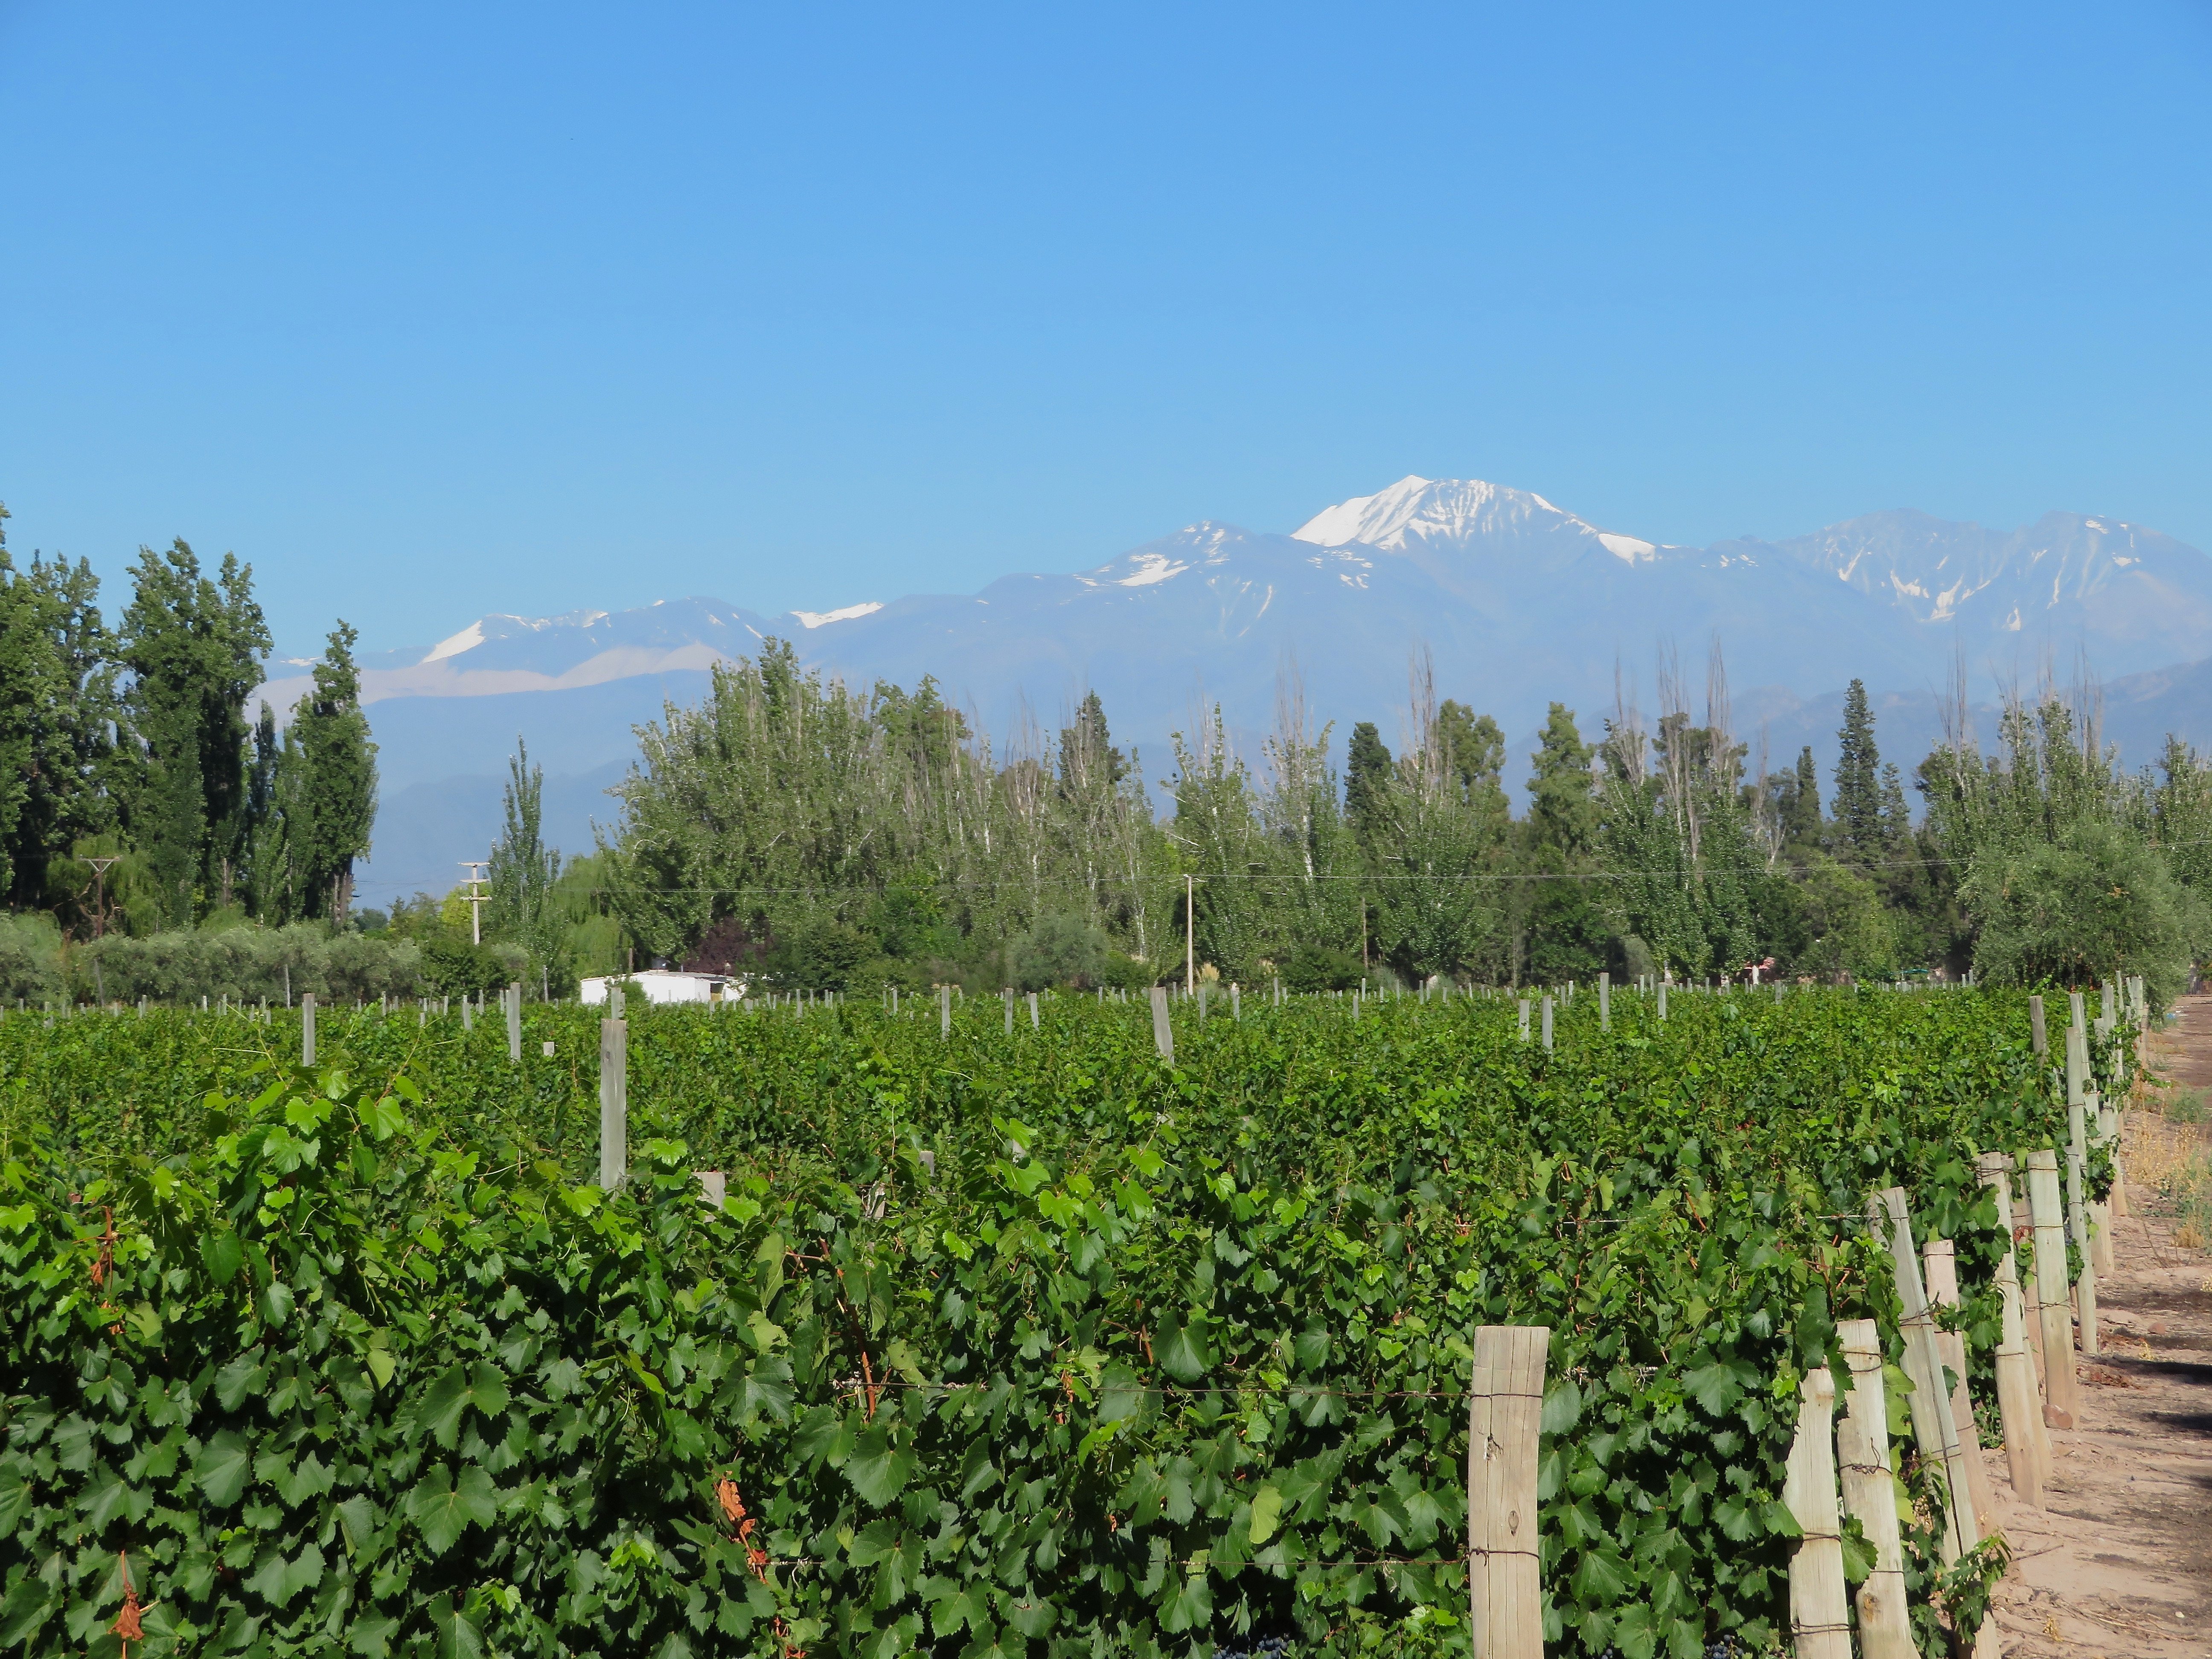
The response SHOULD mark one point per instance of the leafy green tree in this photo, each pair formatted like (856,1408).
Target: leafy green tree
(57,711)
(191,647)
(523,869)
(337,799)
(2092,902)
(1798,807)
(1567,919)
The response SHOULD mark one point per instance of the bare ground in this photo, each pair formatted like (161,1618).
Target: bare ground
(2120,1565)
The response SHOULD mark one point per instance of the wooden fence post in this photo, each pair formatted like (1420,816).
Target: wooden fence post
(1163,1029)
(1236,1002)
(2077,1208)
(514,1022)
(1662,999)
(1007,996)
(1870,1493)
(945,1010)
(1605,1002)
(1034,1019)
(614,1103)
(1932,1425)
(1506,1410)
(1524,1019)
(1547,1023)
(1820,1617)
(306,1028)
(714,1188)
(2027,1443)
(2038,1038)
(2061,1396)
(1942,1259)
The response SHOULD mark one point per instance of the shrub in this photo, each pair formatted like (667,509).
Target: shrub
(1061,950)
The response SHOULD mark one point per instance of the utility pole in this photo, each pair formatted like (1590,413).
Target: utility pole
(100,891)
(475,900)
(1189,937)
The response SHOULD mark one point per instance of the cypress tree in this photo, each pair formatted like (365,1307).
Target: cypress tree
(1367,783)
(1858,780)
(338,764)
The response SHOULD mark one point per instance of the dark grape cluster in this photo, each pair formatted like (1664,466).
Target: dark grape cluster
(1264,1647)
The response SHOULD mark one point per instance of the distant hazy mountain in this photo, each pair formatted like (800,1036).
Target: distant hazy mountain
(1519,602)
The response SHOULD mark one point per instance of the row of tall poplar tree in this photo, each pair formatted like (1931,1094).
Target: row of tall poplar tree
(134,787)
(832,837)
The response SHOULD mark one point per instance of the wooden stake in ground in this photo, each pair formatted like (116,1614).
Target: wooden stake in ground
(1505,1411)
(514,1022)
(1933,1427)
(1162,1032)
(306,1028)
(614,1103)
(1605,1002)
(2027,1443)
(945,1010)
(1819,1618)
(2077,1204)
(1524,1019)
(2062,1398)
(1871,1494)
(1941,1258)
(1547,1022)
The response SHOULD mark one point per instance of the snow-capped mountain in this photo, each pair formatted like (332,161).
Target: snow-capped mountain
(1519,602)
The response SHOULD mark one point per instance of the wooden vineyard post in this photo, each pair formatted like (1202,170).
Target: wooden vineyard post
(1162,1030)
(1605,1002)
(714,1188)
(1034,1019)
(2027,1443)
(1662,999)
(306,1028)
(1548,1025)
(1524,1019)
(1932,1425)
(1505,1409)
(945,1010)
(1007,996)
(2077,1210)
(1820,1617)
(1236,1002)
(1942,1262)
(614,1103)
(2060,1396)
(2038,1037)
(1871,1494)
(514,1022)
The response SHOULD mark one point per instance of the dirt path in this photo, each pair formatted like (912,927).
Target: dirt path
(2119,1566)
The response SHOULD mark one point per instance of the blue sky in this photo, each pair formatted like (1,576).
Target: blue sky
(431,311)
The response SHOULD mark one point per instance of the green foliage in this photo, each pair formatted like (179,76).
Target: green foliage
(246,965)
(29,960)
(1307,967)
(1138,1356)
(191,647)
(2093,902)
(524,870)
(1061,950)
(329,826)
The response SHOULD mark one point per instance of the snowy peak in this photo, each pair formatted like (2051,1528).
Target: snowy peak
(1938,572)
(1418,514)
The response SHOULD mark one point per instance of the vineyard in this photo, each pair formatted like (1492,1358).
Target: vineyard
(1013,1338)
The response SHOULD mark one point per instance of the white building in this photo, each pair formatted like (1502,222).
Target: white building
(663,985)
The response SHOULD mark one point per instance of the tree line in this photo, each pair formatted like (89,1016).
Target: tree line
(829,837)
(136,793)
